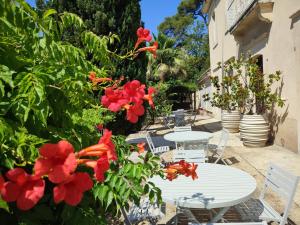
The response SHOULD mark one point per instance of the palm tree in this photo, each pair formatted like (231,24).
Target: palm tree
(170,61)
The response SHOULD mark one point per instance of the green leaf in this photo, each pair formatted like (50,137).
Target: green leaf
(3,205)
(48,13)
(109,199)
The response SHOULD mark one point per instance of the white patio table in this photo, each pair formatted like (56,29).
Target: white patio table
(186,137)
(218,186)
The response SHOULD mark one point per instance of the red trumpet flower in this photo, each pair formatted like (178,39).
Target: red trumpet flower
(183,168)
(149,96)
(100,168)
(141,147)
(26,189)
(113,99)
(152,49)
(95,80)
(56,160)
(134,111)
(71,190)
(106,139)
(1,182)
(143,35)
(134,92)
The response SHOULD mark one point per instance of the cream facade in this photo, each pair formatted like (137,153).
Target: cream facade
(269,29)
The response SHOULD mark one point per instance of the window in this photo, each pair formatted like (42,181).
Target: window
(214,30)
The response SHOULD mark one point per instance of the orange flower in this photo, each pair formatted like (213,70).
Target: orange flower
(95,80)
(141,147)
(181,167)
(149,96)
(152,49)
(171,173)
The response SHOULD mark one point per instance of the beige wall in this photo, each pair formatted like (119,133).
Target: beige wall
(279,43)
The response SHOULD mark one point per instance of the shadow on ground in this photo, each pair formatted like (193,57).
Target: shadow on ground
(209,127)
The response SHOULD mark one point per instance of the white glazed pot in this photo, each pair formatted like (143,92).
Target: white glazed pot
(231,120)
(254,130)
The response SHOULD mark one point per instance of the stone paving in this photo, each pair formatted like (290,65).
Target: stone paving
(255,161)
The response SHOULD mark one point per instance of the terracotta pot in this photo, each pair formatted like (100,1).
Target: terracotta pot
(254,130)
(231,120)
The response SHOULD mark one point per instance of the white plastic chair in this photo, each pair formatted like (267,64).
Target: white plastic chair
(153,149)
(182,128)
(283,183)
(179,117)
(218,150)
(190,156)
(144,211)
(280,182)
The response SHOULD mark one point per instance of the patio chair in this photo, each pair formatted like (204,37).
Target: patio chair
(153,149)
(280,182)
(190,156)
(168,121)
(182,128)
(145,211)
(218,150)
(179,117)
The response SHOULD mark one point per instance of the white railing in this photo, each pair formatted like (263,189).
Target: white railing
(235,9)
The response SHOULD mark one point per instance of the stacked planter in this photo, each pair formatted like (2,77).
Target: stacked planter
(231,120)
(254,130)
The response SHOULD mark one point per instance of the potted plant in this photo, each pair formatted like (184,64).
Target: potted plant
(229,95)
(261,97)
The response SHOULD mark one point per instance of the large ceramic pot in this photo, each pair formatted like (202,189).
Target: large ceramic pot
(254,130)
(231,120)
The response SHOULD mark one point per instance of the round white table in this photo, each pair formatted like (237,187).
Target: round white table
(188,136)
(217,186)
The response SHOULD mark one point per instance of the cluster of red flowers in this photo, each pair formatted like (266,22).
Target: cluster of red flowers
(58,162)
(181,167)
(129,97)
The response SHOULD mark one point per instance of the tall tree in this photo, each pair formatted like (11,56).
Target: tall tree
(188,27)
(178,25)
(121,17)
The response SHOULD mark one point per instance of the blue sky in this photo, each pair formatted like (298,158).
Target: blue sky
(153,11)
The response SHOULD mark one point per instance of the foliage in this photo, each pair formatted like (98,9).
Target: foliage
(262,95)
(40,85)
(244,87)
(177,26)
(104,17)
(230,93)
(188,31)
(163,106)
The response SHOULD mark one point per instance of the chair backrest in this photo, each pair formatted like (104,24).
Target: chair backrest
(191,156)
(179,119)
(283,183)
(182,128)
(150,142)
(223,141)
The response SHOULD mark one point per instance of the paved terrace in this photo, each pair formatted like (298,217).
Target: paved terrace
(252,160)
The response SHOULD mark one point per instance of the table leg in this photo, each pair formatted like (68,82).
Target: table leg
(219,215)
